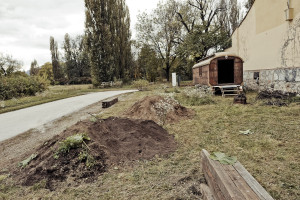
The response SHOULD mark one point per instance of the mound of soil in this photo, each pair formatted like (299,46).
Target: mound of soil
(113,141)
(159,109)
(274,95)
(275,98)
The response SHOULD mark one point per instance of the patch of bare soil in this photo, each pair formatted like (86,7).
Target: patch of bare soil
(275,98)
(113,141)
(159,109)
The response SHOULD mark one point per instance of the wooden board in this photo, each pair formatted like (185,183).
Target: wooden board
(218,180)
(251,181)
(238,71)
(109,103)
(231,182)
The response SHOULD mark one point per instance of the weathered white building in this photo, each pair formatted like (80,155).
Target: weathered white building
(268,41)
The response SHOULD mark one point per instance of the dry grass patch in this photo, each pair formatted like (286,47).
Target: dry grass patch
(270,154)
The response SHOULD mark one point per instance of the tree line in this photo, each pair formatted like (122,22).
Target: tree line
(171,38)
(181,33)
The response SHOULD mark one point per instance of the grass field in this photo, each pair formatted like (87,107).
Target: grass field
(270,154)
(52,94)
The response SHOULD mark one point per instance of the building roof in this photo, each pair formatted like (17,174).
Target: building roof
(207,60)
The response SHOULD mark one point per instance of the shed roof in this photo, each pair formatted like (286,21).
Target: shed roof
(207,60)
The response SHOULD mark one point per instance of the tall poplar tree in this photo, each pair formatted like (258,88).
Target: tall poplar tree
(107,31)
(57,73)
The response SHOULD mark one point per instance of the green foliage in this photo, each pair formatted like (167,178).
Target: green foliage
(19,86)
(24,163)
(161,31)
(89,160)
(8,65)
(107,41)
(40,185)
(57,70)
(223,158)
(46,73)
(148,63)
(140,84)
(76,60)
(195,97)
(34,68)
(72,142)
(3,177)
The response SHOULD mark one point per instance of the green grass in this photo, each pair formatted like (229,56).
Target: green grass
(271,154)
(54,93)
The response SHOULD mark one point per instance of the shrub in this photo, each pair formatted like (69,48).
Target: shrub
(140,84)
(11,87)
(195,97)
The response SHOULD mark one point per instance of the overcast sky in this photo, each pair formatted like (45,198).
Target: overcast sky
(26,25)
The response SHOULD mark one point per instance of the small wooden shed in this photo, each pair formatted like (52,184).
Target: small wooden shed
(219,69)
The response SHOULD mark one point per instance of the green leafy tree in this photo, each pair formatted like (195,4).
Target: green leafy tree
(34,68)
(148,63)
(161,31)
(107,33)
(57,71)
(8,65)
(76,60)
(46,73)
(206,34)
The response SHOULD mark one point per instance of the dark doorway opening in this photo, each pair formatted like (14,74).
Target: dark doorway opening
(225,71)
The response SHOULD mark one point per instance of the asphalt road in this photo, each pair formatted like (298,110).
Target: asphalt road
(17,122)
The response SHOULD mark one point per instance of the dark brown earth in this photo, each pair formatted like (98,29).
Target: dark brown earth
(114,141)
(275,98)
(159,109)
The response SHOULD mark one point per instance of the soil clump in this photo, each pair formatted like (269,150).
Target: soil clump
(276,98)
(108,142)
(159,109)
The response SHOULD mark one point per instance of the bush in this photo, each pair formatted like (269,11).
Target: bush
(80,80)
(195,97)
(12,87)
(140,84)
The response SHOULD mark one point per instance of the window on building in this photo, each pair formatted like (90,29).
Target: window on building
(200,71)
(256,75)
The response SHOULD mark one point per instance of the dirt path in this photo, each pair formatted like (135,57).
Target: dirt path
(23,145)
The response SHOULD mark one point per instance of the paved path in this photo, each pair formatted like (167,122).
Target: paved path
(17,122)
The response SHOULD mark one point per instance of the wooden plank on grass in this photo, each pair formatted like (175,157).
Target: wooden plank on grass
(251,181)
(218,180)
(108,103)
(240,183)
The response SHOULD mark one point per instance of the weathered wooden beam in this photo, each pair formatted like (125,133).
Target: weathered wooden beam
(108,103)
(251,181)
(218,180)
(231,182)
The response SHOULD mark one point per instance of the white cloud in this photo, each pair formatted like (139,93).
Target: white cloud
(26,26)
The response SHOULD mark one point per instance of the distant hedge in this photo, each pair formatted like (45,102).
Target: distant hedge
(19,86)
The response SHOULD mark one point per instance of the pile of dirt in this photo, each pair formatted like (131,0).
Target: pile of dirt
(266,94)
(110,142)
(159,109)
(275,98)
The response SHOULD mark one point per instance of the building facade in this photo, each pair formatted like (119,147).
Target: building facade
(268,41)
